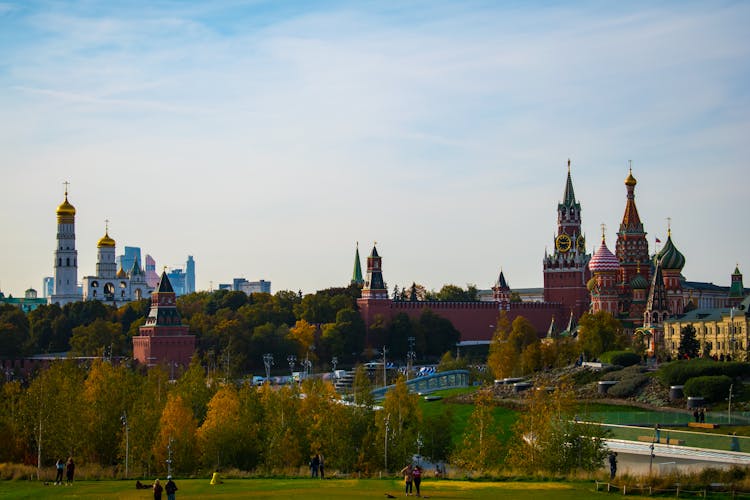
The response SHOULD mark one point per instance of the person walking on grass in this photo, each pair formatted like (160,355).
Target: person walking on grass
(70,470)
(170,488)
(417,478)
(407,473)
(60,466)
(157,490)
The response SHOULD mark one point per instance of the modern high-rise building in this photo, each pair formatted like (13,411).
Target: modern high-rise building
(66,256)
(190,275)
(125,261)
(151,277)
(48,286)
(177,279)
(242,285)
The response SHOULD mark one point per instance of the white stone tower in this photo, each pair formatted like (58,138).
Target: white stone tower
(66,256)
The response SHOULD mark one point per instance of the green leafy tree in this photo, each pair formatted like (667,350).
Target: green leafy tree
(98,337)
(689,345)
(401,417)
(436,334)
(14,331)
(481,449)
(548,437)
(600,332)
(11,423)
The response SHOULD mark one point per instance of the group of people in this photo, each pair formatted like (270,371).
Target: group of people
(317,466)
(412,477)
(699,414)
(68,467)
(170,489)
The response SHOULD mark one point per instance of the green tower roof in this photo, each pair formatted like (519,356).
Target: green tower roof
(357,274)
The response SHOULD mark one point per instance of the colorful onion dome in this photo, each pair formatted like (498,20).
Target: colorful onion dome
(106,241)
(121,273)
(604,260)
(670,257)
(630,180)
(638,282)
(66,208)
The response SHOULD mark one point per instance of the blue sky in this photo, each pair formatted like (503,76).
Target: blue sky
(266,138)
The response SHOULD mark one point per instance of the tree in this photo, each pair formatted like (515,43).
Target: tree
(218,437)
(303,333)
(600,332)
(177,428)
(549,438)
(97,337)
(436,334)
(481,448)
(448,362)
(453,293)
(689,345)
(398,424)
(14,331)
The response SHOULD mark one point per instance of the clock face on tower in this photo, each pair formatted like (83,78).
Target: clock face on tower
(581,244)
(563,243)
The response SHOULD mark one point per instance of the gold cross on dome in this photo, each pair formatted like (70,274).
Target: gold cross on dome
(66,183)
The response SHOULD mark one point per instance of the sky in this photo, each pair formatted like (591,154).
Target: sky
(266,139)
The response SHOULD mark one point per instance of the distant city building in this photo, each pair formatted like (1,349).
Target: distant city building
(190,275)
(177,278)
(48,286)
(152,278)
(114,286)
(66,256)
(163,339)
(249,287)
(225,286)
(125,261)
(27,303)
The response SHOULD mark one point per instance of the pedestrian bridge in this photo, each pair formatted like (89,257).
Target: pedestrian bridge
(430,383)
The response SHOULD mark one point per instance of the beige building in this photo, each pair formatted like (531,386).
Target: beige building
(720,331)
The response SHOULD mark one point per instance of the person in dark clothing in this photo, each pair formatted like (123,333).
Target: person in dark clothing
(612,465)
(70,470)
(60,466)
(157,490)
(314,465)
(170,488)
(321,466)
(416,474)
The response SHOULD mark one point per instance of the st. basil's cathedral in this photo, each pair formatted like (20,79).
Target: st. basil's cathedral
(642,290)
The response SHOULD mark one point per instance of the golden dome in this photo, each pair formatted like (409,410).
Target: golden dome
(121,273)
(106,241)
(630,180)
(66,208)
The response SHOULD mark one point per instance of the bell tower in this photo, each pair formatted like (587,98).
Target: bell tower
(66,256)
(566,270)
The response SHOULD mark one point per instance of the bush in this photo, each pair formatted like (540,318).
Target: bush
(624,373)
(678,372)
(711,388)
(622,358)
(627,387)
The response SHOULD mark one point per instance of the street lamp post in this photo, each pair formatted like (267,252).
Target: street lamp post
(169,456)
(268,362)
(387,427)
(334,362)
(385,374)
(292,359)
(124,419)
(410,356)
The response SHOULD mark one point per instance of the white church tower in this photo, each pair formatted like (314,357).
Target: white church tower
(66,256)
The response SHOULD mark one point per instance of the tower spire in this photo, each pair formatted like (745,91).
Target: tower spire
(357,273)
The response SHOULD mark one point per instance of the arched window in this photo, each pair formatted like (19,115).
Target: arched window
(59,262)
(67,262)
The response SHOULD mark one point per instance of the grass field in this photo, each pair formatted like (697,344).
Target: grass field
(306,489)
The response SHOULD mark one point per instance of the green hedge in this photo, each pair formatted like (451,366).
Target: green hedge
(628,387)
(711,388)
(621,358)
(678,372)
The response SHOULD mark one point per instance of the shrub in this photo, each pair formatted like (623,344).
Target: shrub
(678,372)
(628,386)
(624,373)
(622,358)
(711,388)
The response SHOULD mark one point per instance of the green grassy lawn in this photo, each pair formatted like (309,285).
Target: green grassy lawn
(306,489)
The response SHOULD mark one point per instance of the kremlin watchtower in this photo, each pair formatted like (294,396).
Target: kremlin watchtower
(163,338)
(566,270)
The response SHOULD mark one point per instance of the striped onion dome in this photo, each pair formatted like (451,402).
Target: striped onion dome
(670,257)
(603,260)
